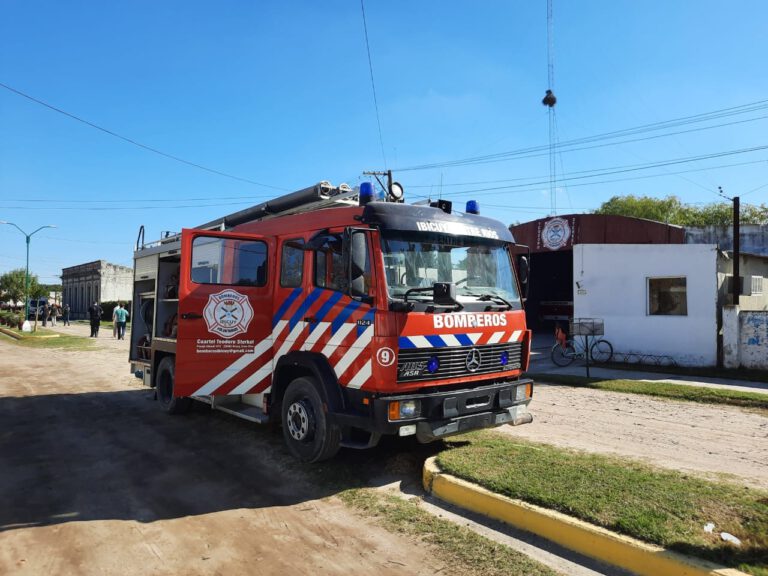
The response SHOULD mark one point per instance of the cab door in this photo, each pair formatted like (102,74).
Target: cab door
(224,322)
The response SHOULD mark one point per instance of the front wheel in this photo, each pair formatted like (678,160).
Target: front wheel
(563,354)
(601,351)
(308,433)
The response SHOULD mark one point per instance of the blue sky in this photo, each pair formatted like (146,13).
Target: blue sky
(280,93)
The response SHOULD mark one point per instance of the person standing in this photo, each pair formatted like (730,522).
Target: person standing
(46,311)
(65,314)
(94,313)
(54,313)
(121,315)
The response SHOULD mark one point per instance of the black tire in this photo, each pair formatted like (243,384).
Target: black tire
(563,356)
(164,383)
(601,351)
(308,433)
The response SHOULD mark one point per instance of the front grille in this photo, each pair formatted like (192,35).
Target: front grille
(412,363)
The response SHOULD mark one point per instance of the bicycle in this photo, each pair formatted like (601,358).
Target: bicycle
(564,352)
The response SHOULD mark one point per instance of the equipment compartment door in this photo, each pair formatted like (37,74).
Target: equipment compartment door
(224,334)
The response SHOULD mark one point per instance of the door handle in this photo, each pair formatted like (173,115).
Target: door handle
(191,316)
(310,319)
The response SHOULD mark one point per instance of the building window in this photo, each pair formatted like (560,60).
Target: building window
(667,296)
(757,286)
(292,264)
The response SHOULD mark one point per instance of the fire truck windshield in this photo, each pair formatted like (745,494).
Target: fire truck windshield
(478,268)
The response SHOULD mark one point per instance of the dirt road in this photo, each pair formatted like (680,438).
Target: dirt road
(96,480)
(706,439)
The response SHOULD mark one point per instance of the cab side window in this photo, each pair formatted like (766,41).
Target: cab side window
(292,264)
(330,271)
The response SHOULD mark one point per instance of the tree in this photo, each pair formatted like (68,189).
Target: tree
(12,285)
(671,210)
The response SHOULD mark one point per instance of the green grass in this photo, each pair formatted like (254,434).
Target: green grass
(701,394)
(662,507)
(466,552)
(48,339)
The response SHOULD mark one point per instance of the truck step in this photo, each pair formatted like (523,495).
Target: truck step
(246,411)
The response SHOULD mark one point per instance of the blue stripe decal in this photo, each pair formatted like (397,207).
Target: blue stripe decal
(367,321)
(285,305)
(323,312)
(464,339)
(343,315)
(404,342)
(299,315)
(436,341)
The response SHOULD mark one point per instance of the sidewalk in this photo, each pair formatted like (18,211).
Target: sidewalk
(541,363)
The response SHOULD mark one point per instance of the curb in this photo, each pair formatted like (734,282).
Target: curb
(571,533)
(13,334)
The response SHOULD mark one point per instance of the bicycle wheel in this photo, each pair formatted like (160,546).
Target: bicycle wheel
(563,355)
(601,351)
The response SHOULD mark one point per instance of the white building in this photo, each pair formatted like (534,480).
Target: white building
(95,281)
(662,299)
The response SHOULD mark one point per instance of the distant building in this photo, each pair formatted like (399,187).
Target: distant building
(94,281)
(753,239)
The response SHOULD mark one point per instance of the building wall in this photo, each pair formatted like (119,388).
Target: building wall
(750,265)
(94,281)
(745,338)
(752,237)
(611,282)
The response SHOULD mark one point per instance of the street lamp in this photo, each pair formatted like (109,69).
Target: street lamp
(26,273)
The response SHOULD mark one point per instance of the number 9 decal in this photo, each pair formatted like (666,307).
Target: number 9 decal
(385,356)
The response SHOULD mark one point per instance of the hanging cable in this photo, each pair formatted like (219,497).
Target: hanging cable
(135,143)
(373,85)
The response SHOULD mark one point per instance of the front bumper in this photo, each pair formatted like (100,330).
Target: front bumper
(448,412)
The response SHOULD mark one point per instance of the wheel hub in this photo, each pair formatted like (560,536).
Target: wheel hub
(300,422)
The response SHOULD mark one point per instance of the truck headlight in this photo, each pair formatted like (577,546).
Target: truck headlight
(404,409)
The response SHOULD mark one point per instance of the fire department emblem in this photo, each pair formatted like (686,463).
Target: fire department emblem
(228,313)
(556,233)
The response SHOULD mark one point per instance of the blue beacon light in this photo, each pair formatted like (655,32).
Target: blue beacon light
(473,207)
(366,193)
(433,364)
(504,359)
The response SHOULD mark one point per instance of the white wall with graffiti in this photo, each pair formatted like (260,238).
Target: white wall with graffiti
(655,299)
(745,338)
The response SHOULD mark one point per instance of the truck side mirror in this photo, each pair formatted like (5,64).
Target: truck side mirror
(524,269)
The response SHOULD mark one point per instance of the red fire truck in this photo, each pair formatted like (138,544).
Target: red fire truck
(342,314)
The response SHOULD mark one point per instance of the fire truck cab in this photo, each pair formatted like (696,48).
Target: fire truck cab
(342,316)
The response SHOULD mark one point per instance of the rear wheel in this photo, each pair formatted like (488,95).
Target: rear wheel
(601,351)
(563,354)
(164,383)
(308,433)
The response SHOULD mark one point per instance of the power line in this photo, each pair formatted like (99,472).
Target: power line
(136,143)
(373,85)
(571,145)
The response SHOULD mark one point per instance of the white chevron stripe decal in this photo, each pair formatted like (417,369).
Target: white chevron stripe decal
(338,338)
(361,377)
(474,337)
(253,379)
(354,351)
(420,342)
(288,341)
(315,335)
(496,338)
(233,369)
(515,336)
(450,340)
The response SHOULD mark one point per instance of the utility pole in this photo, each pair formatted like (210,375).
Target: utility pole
(736,252)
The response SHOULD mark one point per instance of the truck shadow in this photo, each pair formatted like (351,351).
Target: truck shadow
(116,455)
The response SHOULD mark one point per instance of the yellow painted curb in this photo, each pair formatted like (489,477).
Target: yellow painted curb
(13,334)
(576,535)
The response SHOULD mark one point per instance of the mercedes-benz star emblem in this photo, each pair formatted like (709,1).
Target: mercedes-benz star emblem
(473,360)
